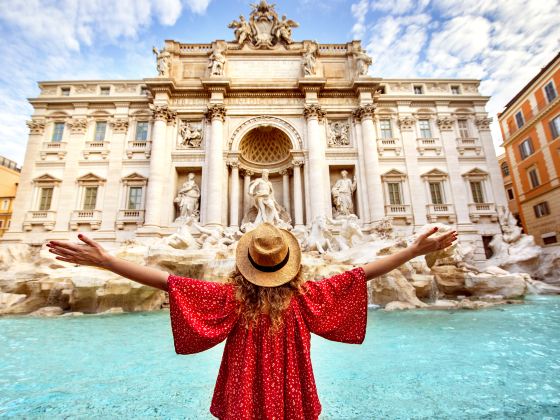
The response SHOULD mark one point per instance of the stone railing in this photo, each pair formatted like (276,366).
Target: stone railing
(53,148)
(130,216)
(468,143)
(477,210)
(138,146)
(92,147)
(399,211)
(428,143)
(46,218)
(440,210)
(392,143)
(90,217)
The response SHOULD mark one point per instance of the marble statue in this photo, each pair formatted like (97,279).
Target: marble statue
(217,61)
(309,60)
(163,61)
(363,61)
(182,237)
(284,29)
(342,195)
(188,199)
(262,193)
(190,137)
(383,229)
(350,231)
(338,134)
(242,30)
(320,238)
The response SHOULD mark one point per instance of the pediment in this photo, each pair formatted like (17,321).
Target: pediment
(46,178)
(476,172)
(134,177)
(91,177)
(434,173)
(393,173)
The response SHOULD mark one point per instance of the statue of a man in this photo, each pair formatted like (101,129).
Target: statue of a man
(363,61)
(284,29)
(342,195)
(188,198)
(163,60)
(263,195)
(217,61)
(309,60)
(242,30)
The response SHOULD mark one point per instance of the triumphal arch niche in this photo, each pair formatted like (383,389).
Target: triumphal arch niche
(265,107)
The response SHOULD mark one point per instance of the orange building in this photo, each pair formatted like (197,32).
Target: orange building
(9,179)
(530,126)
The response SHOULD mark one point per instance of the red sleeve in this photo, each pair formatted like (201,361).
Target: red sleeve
(202,313)
(336,308)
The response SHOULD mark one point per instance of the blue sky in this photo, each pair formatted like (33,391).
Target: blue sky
(502,42)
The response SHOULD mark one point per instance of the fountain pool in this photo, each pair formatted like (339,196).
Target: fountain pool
(500,362)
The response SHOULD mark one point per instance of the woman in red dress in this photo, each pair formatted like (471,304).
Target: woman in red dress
(265,312)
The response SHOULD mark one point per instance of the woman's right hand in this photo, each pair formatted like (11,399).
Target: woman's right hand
(88,253)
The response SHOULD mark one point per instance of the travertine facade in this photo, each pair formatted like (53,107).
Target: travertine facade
(110,156)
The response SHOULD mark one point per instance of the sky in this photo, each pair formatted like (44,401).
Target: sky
(504,43)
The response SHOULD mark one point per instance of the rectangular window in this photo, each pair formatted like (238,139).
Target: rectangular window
(1,224)
(65,91)
(46,198)
(519,119)
(5,204)
(58,131)
(526,148)
(455,90)
(105,91)
(550,91)
(142,131)
(100,128)
(394,192)
(549,238)
(510,194)
(463,128)
(386,129)
(476,189)
(134,198)
(555,127)
(425,131)
(143,90)
(541,209)
(418,90)
(435,192)
(90,198)
(534,177)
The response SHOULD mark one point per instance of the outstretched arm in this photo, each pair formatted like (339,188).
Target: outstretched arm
(91,253)
(422,245)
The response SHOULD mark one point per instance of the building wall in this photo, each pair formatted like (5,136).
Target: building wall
(9,178)
(538,113)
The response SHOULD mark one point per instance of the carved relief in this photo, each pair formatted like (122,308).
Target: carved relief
(216,111)
(313,110)
(406,123)
(190,135)
(78,126)
(309,61)
(264,29)
(445,123)
(119,125)
(83,88)
(483,123)
(266,120)
(36,126)
(338,133)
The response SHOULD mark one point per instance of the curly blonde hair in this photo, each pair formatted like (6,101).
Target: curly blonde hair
(256,300)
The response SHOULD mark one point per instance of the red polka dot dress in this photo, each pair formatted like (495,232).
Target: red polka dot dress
(263,375)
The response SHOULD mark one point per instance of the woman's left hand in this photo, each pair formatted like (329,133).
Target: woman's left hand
(425,244)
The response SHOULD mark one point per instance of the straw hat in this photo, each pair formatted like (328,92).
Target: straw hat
(268,256)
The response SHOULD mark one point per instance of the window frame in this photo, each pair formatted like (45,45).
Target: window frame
(54,131)
(428,128)
(395,193)
(103,89)
(541,209)
(64,91)
(146,131)
(477,194)
(440,192)
(140,197)
(506,166)
(464,132)
(90,205)
(523,153)
(551,84)
(554,128)
(510,194)
(42,197)
(533,170)
(383,130)
(418,89)
(519,116)
(455,89)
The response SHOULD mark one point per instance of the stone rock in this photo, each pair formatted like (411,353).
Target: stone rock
(71,314)
(47,311)
(473,304)
(7,300)
(393,286)
(425,286)
(450,280)
(536,287)
(397,306)
(443,304)
(509,286)
(116,310)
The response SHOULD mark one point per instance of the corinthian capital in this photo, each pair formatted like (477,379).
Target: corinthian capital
(216,111)
(483,123)
(36,126)
(445,123)
(119,125)
(367,110)
(78,125)
(313,111)
(161,112)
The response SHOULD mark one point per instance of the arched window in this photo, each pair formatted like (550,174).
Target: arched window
(505,169)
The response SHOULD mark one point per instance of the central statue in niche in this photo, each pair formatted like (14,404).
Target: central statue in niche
(264,207)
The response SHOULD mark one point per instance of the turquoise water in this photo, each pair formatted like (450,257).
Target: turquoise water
(501,362)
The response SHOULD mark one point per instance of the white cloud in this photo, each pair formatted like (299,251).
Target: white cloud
(359,11)
(502,42)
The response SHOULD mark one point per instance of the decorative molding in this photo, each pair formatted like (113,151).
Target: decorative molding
(78,125)
(36,126)
(119,125)
(445,123)
(483,123)
(216,111)
(313,111)
(264,120)
(367,110)
(406,123)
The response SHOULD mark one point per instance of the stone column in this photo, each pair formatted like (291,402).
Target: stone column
(456,182)
(234,194)
(157,178)
(360,170)
(298,199)
(246,198)
(313,113)
(216,114)
(286,190)
(371,163)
